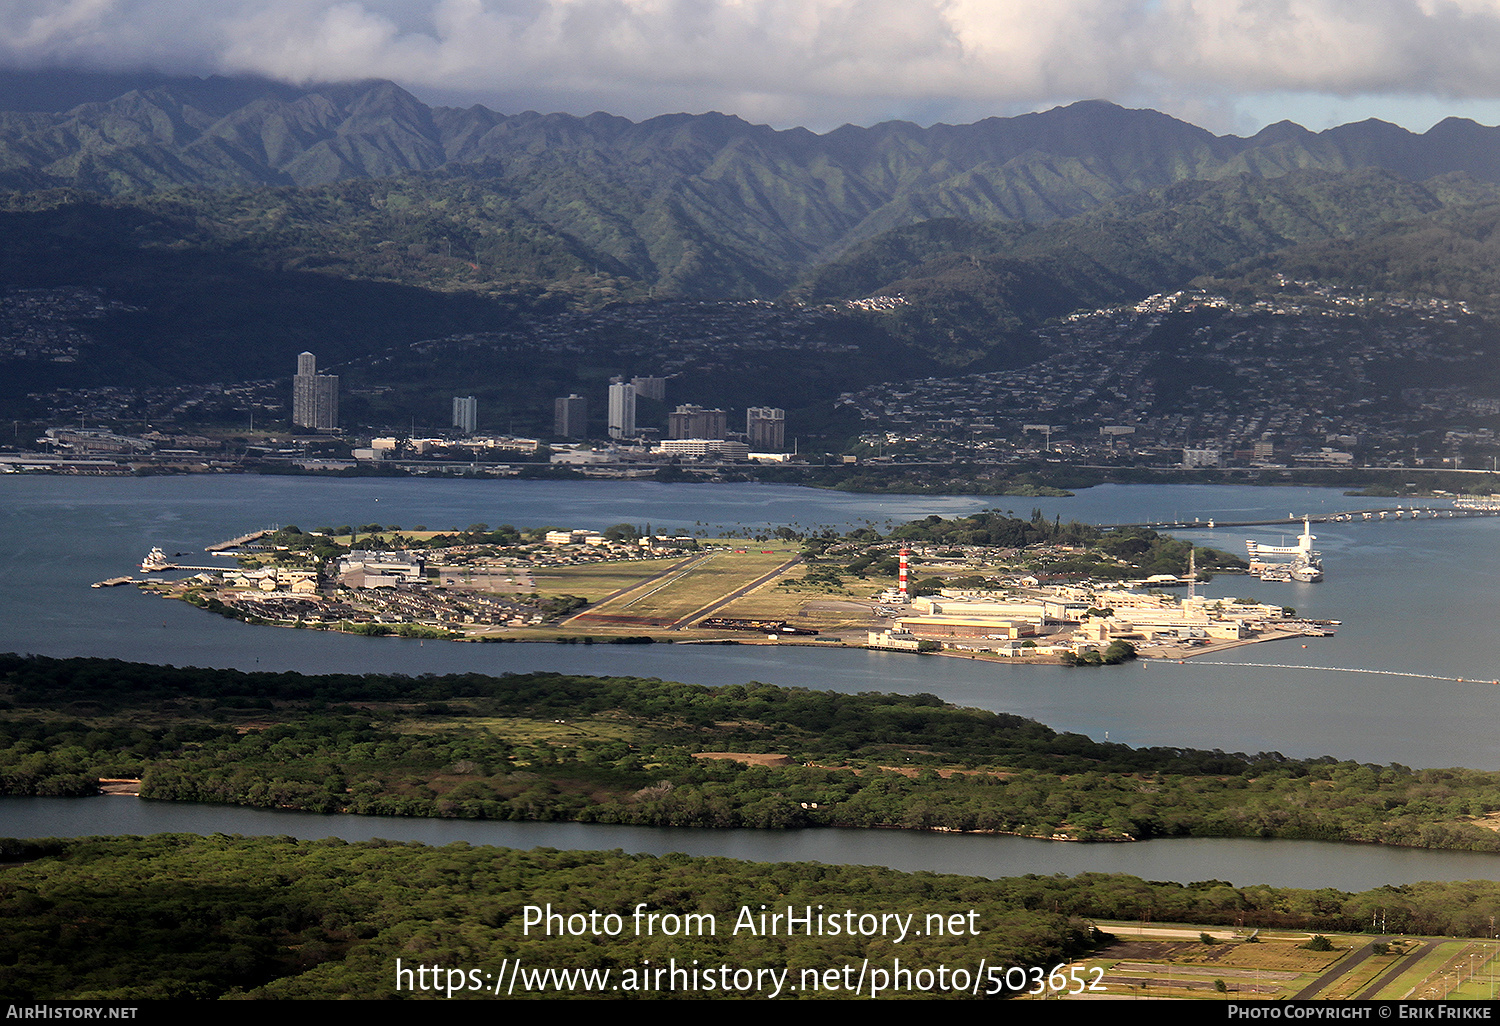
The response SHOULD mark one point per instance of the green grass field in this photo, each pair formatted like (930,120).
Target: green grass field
(689,589)
(1455,969)
(1166,963)
(594,581)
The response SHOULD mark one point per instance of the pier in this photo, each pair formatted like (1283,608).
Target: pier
(183,566)
(244,539)
(1472,509)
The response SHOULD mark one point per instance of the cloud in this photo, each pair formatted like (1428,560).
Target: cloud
(1442,47)
(792,61)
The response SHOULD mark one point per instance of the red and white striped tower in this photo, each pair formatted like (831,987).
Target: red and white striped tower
(905,557)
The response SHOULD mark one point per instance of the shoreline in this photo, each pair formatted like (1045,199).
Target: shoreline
(647,636)
(1071,479)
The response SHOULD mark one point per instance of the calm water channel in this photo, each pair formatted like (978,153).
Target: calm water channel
(1417,601)
(1350,867)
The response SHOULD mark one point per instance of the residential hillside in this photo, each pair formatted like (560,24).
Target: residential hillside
(166,233)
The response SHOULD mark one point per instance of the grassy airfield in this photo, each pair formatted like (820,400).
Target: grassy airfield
(1187,962)
(754,580)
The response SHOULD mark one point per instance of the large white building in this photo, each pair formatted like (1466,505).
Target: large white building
(465,413)
(365,569)
(621,409)
(315,397)
(704,447)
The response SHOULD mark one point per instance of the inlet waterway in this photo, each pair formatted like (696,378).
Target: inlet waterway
(1417,601)
(1312,864)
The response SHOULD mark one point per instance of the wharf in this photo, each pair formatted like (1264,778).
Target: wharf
(1177,653)
(244,539)
(1354,515)
(184,566)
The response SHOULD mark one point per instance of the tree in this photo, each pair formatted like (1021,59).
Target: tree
(621,532)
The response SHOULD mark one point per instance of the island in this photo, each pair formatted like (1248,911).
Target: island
(987,586)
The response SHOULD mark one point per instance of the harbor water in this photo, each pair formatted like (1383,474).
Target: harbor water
(1408,678)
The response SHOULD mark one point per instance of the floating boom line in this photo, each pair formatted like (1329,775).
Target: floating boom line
(1336,669)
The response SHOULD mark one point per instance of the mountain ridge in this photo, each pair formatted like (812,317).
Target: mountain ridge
(849,184)
(985,230)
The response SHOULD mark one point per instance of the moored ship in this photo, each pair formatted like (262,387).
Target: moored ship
(1304,566)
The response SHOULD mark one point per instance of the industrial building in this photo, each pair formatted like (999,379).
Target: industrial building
(362,569)
(1088,618)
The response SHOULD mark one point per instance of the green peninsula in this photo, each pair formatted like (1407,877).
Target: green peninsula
(647,752)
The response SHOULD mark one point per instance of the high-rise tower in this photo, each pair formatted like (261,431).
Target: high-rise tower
(570,416)
(465,413)
(691,421)
(765,428)
(315,397)
(621,409)
(650,388)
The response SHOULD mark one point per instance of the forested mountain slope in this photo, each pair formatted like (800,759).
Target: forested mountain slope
(695,204)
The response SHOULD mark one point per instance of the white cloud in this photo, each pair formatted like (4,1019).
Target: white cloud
(1340,47)
(796,60)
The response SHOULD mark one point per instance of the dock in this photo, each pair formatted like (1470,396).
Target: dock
(158,568)
(1354,515)
(244,539)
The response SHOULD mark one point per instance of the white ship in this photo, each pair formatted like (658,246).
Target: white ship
(155,560)
(1305,564)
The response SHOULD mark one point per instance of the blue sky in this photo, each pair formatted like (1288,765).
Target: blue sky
(1232,66)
